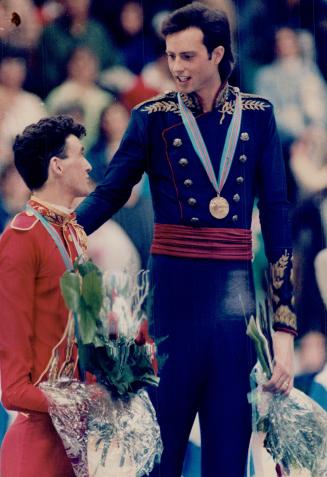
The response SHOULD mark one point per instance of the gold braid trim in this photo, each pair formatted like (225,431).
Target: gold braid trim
(285,316)
(81,237)
(167,105)
(277,270)
(162,106)
(154,98)
(248,104)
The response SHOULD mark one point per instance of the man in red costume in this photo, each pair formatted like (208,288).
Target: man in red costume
(36,331)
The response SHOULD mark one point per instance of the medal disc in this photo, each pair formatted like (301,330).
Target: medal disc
(219,207)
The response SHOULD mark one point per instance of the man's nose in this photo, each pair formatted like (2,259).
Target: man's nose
(178,65)
(88,165)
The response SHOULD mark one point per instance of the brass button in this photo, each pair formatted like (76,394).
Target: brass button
(245,136)
(194,220)
(243,158)
(236,198)
(191,201)
(70,238)
(235,218)
(29,213)
(240,180)
(183,162)
(188,182)
(177,142)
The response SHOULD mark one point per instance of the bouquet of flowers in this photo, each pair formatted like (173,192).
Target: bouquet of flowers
(294,426)
(108,428)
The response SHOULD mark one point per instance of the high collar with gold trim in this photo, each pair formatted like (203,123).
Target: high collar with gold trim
(191,100)
(54,214)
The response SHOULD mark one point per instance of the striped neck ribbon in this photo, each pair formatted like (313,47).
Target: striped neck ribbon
(200,148)
(65,256)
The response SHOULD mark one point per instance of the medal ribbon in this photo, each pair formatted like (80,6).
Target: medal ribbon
(200,148)
(65,256)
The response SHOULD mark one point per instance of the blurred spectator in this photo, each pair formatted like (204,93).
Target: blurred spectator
(18,108)
(113,122)
(297,91)
(309,239)
(309,15)
(136,217)
(80,87)
(59,39)
(308,161)
(134,42)
(14,194)
(312,371)
(295,88)
(26,34)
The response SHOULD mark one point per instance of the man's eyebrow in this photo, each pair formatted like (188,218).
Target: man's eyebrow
(191,52)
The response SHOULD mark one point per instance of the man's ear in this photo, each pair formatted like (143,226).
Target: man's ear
(218,54)
(55,165)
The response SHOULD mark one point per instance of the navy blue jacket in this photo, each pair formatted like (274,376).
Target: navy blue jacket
(156,142)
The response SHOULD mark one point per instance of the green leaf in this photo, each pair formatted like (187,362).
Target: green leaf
(85,268)
(257,338)
(71,290)
(87,325)
(92,291)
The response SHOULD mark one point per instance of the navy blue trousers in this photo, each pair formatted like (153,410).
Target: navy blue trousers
(199,304)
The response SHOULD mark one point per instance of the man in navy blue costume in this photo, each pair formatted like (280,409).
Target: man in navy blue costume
(208,150)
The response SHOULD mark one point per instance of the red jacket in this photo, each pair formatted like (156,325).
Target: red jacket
(36,331)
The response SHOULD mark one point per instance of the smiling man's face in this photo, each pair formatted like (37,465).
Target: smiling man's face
(193,69)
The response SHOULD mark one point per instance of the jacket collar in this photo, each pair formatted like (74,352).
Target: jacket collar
(192,101)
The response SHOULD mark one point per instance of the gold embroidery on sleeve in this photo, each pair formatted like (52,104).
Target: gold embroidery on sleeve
(277,271)
(285,316)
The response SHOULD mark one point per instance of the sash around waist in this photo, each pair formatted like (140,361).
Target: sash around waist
(202,242)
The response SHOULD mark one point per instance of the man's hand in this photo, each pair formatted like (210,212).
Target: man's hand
(283,374)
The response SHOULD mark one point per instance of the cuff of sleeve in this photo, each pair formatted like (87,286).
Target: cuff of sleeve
(285,320)
(284,329)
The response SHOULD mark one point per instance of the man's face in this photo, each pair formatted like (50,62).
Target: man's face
(75,169)
(189,62)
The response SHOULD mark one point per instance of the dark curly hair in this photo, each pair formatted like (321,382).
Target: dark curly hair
(214,26)
(38,143)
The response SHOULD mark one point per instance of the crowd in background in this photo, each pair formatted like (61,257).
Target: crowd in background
(97,59)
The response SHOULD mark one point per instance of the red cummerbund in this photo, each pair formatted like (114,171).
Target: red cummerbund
(202,242)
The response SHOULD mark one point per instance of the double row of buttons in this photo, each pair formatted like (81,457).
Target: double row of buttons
(183,162)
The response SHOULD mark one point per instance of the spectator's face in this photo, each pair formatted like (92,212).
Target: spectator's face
(131,18)
(83,66)
(115,121)
(287,43)
(189,61)
(75,169)
(12,73)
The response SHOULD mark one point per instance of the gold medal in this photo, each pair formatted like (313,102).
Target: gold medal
(219,207)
